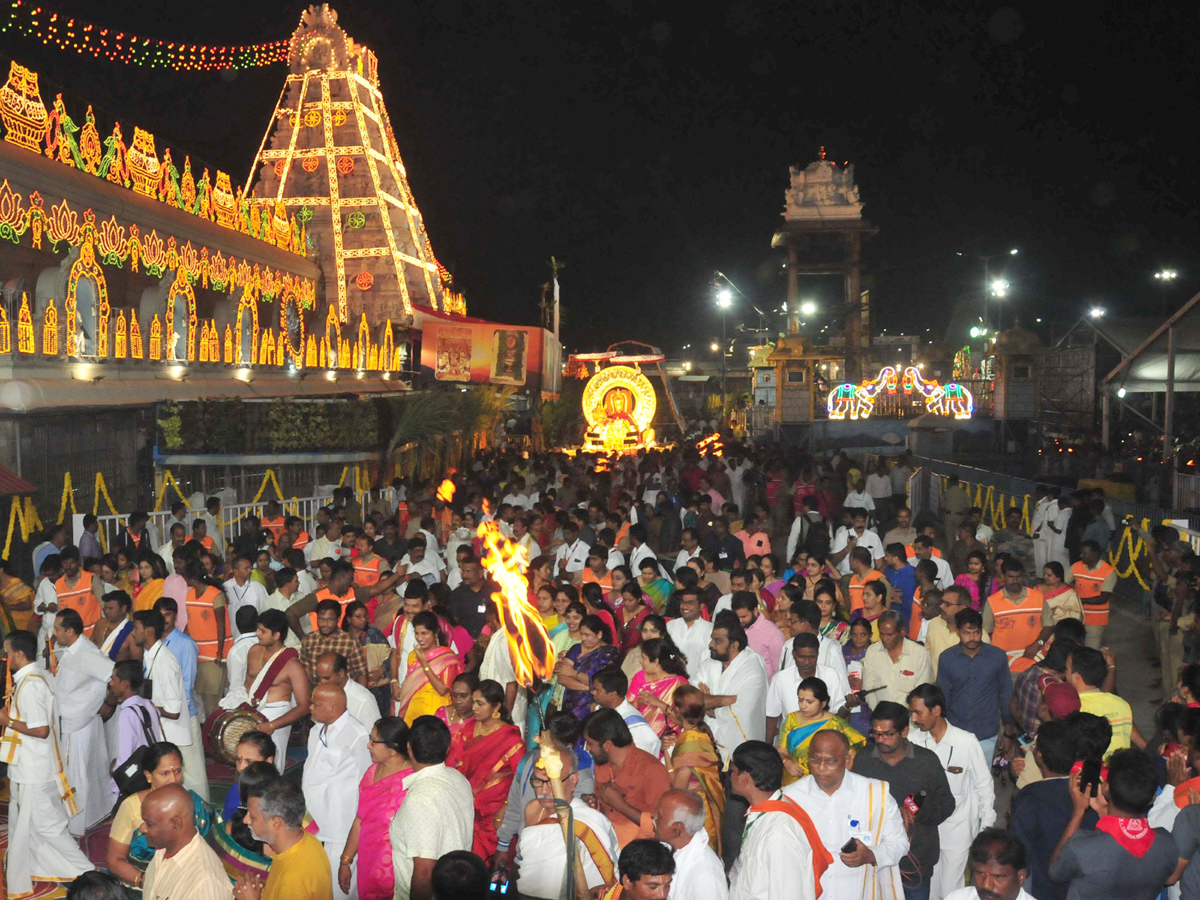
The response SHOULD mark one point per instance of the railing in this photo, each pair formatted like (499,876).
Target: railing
(995,494)
(230,516)
(1186,493)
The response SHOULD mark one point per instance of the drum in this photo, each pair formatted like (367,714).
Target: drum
(225,728)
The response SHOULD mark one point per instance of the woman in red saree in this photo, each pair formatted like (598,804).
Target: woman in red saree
(630,614)
(458,713)
(652,689)
(432,668)
(486,751)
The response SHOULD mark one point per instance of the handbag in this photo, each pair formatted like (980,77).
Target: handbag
(129,775)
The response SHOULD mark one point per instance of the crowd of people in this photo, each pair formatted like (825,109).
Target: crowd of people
(770,681)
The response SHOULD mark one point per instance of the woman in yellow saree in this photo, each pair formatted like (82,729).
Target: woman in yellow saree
(431,671)
(16,600)
(153,572)
(799,728)
(692,759)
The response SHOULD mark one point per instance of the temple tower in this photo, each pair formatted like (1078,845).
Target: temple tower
(329,157)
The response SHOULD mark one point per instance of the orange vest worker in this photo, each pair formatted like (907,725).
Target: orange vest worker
(275,526)
(202,621)
(326,594)
(367,573)
(1089,585)
(79,598)
(856,588)
(1017,625)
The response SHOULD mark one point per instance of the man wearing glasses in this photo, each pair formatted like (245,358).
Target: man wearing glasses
(542,856)
(858,821)
(917,783)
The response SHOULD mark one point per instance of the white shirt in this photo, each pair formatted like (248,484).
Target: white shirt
(855,500)
(879,486)
(542,853)
(945,575)
(497,666)
(692,641)
(521,501)
(80,685)
(699,873)
(970,777)
(238,595)
(682,559)
(428,568)
(868,539)
(161,666)
(532,548)
(1058,542)
(616,558)
(745,678)
(34,762)
(361,704)
(781,695)
(829,655)
(969,893)
(893,680)
(167,552)
(436,818)
(337,759)
(636,555)
(575,554)
(853,811)
(308,584)
(235,660)
(283,604)
(643,735)
(775,861)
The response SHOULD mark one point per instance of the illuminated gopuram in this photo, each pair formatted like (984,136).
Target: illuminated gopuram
(329,158)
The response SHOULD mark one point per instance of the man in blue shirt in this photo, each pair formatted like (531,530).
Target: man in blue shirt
(195,772)
(975,678)
(902,577)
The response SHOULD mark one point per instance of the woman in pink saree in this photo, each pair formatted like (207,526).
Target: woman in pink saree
(380,794)
(432,668)
(652,689)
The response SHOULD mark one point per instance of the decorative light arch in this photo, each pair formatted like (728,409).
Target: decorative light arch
(333,335)
(87,267)
(182,288)
(295,351)
(247,306)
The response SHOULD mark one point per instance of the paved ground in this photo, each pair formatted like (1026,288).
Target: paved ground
(1132,642)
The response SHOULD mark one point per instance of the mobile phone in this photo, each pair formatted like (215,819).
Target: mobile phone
(849,846)
(499,884)
(1089,776)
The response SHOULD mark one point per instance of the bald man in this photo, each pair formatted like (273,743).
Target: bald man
(679,823)
(337,759)
(333,668)
(183,865)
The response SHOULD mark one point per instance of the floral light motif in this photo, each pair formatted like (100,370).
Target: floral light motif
(364,281)
(50,330)
(345,165)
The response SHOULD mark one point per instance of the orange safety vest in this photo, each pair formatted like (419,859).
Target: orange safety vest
(326,594)
(202,621)
(301,541)
(1017,625)
(856,588)
(367,573)
(206,542)
(1088,583)
(79,598)
(914,617)
(275,526)
(910,552)
(589,576)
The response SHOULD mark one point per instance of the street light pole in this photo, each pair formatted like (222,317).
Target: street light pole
(724,299)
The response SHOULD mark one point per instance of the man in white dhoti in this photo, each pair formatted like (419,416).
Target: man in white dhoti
(39,845)
(734,682)
(845,806)
(337,758)
(776,858)
(80,687)
(278,685)
(542,852)
(970,778)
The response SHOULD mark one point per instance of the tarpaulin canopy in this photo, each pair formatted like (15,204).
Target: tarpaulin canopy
(1147,373)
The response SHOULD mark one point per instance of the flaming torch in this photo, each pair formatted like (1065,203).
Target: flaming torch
(529,645)
(444,495)
(550,761)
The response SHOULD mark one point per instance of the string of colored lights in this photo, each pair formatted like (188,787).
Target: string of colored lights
(77,36)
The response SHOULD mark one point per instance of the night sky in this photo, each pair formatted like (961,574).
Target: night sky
(646,144)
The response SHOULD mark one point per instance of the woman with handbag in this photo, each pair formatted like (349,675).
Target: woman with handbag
(128,851)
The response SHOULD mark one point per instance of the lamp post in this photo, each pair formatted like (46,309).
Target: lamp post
(1164,279)
(724,301)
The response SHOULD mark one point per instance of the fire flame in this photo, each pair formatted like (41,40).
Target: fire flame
(711,445)
(528,643)
(445,491)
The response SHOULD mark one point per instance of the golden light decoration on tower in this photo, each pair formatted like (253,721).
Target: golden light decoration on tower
(619,405)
